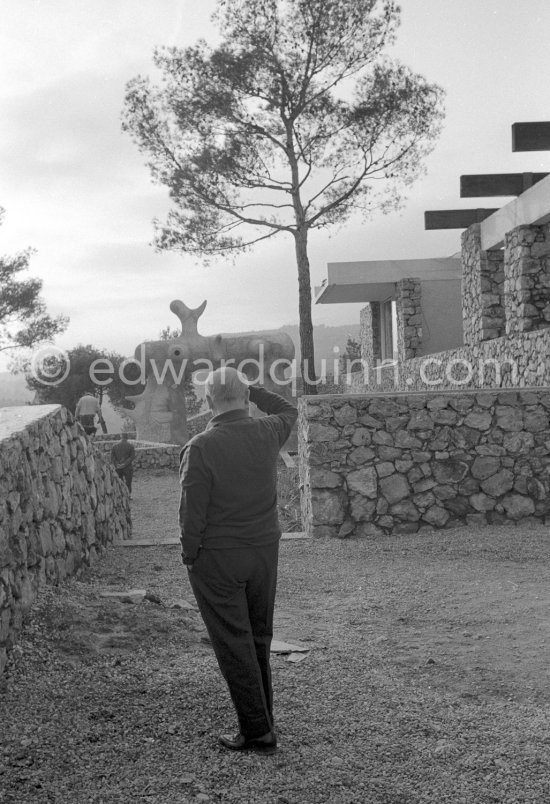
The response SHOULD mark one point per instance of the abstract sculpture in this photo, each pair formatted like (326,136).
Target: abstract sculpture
(160,410)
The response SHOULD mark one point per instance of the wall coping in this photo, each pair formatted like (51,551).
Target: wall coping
(14,420)
(449,392)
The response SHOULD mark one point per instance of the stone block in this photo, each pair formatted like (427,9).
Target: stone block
(363,481)
(384,407)
(324,478)
(459,506)
(519,443)
(389,453)
(403,465)
(420,456)
(509,418)
(362,437)
(362,509)
(446,417)
(394,423)
(450,471)
(347,414)
(382,438)
(369,421)
(425,484)
(499,483)
(327,507)
(461,403)
(478,420)
(368,530)
(537,421)
(482,502)
(322,432)
(536,489)
(424,499)
(445,492)
(484,467)
(394,488)
(405,440)
(405,511)
(517,506)
(385,469)
(420,420)
(361,455)
(436,516)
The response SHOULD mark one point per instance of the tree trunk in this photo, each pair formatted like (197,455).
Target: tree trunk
(307,357)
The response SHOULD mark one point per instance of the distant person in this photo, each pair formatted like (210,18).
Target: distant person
(87,408)
(230,542)
(122,455)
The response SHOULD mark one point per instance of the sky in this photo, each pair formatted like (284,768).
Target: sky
(76,189)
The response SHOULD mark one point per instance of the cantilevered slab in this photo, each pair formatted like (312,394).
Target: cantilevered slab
(374,280)
(491,184)
(531,208)
(531,136)
(455,218)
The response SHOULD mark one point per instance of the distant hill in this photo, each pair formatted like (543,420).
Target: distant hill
(325,339)
(13,390)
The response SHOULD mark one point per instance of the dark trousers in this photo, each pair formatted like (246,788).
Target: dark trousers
(126,473)
(235,593)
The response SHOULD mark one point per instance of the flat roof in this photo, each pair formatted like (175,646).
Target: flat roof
(374,280)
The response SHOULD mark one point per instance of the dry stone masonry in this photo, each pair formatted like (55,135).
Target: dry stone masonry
(409,317)
(522,361)
(149,457)
(61,504)
(506,323)
(527,279)
(482,289)
(369,333)
(376,464)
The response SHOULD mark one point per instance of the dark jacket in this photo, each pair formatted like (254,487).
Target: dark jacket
(122,454)
(228,477)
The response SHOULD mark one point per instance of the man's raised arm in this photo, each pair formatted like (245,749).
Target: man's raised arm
(282,413)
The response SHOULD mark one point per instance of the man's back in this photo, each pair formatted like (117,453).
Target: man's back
(229,475)
(87,405)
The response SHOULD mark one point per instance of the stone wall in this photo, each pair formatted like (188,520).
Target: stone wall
(375,464)
(518,362)
(482,289)
(506,323)
(369,333)
(149,456)
(409,317)
(527,279)
(61,504)
(154,456)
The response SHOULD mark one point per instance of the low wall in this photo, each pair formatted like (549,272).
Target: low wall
(154,456)
(374,464)
(520,361)
(149,456)
(61,504)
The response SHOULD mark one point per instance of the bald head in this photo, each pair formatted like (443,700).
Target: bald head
(226,389)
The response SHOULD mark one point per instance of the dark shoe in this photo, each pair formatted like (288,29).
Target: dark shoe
(267,744)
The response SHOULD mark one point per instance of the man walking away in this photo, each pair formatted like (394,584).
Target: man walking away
(87,408)
(122,455)
(230,540)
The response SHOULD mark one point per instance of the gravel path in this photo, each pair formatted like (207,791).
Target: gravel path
(426,680)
